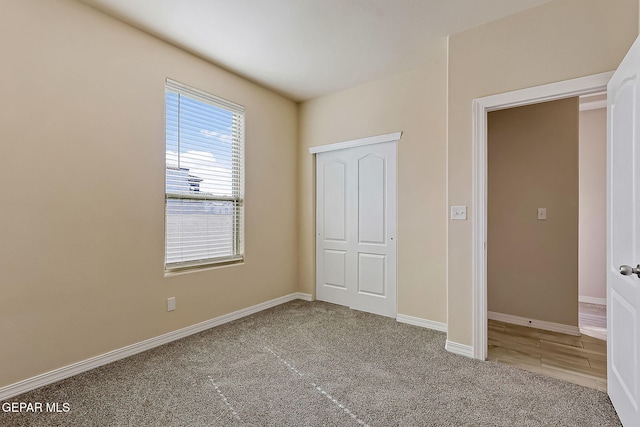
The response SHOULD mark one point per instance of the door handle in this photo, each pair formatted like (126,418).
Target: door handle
(627,270)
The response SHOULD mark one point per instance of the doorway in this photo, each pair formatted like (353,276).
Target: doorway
(546,215)
(482,106)
(532,215)
(535,175)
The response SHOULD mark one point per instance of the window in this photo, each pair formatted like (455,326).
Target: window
(204,178)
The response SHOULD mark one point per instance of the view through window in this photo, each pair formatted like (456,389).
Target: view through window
(204,178)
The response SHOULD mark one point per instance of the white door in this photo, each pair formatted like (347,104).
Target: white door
(623,239)
(356,227)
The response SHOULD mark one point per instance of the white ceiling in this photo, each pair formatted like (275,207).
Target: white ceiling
(308,48)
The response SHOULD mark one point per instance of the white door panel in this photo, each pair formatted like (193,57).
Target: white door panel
(335,213)
(623,239)
(355,227)
(371,274)
(335,268)
(371,199)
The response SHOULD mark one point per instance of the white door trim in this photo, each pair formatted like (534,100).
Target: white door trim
(481,106)
(389,137)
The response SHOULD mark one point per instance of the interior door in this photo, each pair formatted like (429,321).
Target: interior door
(623,239)
(356,228)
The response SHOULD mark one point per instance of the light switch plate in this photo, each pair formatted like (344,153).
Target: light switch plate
(542,213)
(459,212)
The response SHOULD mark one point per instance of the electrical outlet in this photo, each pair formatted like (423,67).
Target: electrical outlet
(171,304)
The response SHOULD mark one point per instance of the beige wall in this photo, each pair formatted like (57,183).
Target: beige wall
(532,265)
(413,103)
(82,130)
(82,222)
(593,204)
(557,41)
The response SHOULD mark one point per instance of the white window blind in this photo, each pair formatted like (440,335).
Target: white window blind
(204,178)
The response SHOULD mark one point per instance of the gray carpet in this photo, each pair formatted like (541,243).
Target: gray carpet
(313,364)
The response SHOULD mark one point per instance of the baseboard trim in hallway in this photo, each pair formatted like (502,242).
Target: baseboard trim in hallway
(592,300)
(592,319)
(534,323)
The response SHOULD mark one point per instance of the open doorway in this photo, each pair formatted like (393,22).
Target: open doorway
(547,215)
(561,91)
(533,215)
(533,244)
(481,107)
(545,229)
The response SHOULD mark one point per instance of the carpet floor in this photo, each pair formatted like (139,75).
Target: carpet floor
(313,364)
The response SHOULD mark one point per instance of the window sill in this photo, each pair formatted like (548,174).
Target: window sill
(178,271)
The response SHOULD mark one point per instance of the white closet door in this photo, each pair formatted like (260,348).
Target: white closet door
(356,228)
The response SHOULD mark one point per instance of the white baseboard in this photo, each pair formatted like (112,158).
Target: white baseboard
(418,321)
(460,349)
(533,323)
(592,300)
(302,296)
(50,377)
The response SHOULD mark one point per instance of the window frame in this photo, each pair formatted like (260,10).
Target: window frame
(238,171)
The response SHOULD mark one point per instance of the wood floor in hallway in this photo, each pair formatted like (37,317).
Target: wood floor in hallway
(577,359)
